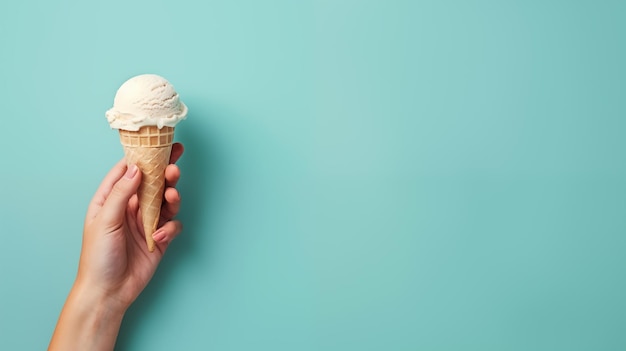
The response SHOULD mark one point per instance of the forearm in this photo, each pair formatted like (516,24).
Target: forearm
(87,322)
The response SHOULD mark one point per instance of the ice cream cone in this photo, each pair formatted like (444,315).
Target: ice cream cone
(149,148)
(145,110)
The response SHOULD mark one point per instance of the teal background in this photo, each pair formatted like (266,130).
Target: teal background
(359,175)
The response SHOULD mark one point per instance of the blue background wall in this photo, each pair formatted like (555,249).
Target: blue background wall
(359,175)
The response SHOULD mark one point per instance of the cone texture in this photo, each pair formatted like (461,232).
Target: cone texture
(149,148)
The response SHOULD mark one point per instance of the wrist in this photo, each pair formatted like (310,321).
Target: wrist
(90,297)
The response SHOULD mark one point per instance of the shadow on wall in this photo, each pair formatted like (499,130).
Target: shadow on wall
(199,165)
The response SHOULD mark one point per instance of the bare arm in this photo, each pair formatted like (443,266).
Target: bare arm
(87,322)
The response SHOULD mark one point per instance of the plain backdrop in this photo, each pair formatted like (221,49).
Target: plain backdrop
(359,175)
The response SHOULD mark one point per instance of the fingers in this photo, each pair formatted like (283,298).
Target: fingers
(105,188)
(172,172)
(177,151)
(164,235)
(118,170)
(133,205)
(172,175)
(171,205)
(116,203)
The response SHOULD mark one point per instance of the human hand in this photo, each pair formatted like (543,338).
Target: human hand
(115,262)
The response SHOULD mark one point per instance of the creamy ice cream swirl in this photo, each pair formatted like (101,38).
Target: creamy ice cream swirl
(146,100)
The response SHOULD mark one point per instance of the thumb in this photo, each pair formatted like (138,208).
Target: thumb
(115,205)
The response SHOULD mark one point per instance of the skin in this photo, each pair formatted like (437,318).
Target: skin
(115,264)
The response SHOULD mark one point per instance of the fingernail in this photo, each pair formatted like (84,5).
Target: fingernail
(131,171)
(158,236)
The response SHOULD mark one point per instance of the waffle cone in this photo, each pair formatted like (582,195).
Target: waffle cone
(149,148)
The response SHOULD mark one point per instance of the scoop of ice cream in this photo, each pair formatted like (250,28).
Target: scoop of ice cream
(146,100)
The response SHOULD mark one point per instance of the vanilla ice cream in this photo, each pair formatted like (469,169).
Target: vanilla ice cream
(146,100)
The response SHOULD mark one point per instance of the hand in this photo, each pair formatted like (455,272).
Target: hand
(115,261)
(115,264)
